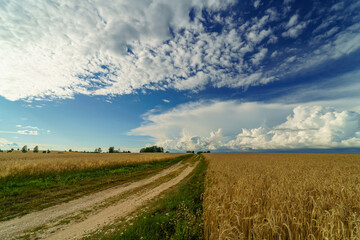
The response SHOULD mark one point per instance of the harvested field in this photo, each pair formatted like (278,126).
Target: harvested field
(282,196)
(17,163)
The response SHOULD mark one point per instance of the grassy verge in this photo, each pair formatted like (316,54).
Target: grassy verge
(176,216)
(22,193)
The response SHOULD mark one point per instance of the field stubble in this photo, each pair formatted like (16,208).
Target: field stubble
(18,163)
(282,196)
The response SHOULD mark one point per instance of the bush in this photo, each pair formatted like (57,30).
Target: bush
(152,149)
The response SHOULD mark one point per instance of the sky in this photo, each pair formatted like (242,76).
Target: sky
(224,76)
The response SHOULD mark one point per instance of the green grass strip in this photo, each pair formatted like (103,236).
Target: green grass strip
(23,193)
(177,216)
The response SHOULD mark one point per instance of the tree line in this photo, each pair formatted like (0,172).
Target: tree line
(154,149)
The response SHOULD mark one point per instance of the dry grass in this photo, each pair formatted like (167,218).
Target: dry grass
(282,196)
(35,163)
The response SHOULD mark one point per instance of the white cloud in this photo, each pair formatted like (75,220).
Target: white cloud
(293,20)
(75,47)
(274,54)
(28,127)
(166,101)
(27,132)
(207,126)
(52,50)
(199,117)
(5,144)
(295,31)
(337,6)
(257,3)
(307,127)
(258,57)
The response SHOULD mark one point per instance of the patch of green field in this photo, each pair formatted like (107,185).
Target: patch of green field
(176,216)
(20,194)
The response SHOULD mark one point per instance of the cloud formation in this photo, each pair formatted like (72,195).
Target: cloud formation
(274,127)
(53,49)
(27,132)
(7,145)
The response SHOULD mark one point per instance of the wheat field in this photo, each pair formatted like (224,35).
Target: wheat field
(35,163)
(282,196)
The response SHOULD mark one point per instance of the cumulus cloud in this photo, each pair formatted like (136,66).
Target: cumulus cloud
(307,127)
(304,127)
(199,118)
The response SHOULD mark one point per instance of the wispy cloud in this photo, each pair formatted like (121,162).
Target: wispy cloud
(28,127)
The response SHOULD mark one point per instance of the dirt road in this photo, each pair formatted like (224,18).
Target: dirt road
(57,222)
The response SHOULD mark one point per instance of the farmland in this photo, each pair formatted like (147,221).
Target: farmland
(33,181)
(18,163)
(227,196)
(282,196)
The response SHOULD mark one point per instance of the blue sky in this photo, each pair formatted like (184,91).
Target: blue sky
(223,76)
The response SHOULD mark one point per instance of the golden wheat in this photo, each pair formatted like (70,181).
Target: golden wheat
(282,196)
(34,163)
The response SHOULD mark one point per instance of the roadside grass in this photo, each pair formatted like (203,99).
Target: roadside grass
(20,194)
(178,215)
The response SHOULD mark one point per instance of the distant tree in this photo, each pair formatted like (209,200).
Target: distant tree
(1,150)
(189,151)
(97,150)
(11,150)
(152,149)
(24,149)
(44,151)
(70,150)
(208,151)
(199,152)
(167,152)
(111,149)
(48,151)
(17,149)
(36,149)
